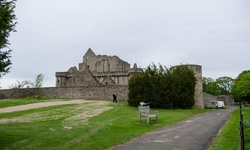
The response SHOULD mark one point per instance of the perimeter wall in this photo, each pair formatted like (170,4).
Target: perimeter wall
(226,98)
(88,92)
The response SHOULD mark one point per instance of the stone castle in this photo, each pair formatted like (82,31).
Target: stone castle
(98,77)
(97,70)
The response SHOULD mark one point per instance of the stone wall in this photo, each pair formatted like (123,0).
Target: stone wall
(198,95)
(89,92)
(97,70)
(207,97)
(225,98)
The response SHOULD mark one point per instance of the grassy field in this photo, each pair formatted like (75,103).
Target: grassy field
(91,125)
(229,137)
(246,121)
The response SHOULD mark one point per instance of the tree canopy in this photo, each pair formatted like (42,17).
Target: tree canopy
(209,86)
(163,88)
(241,87)
(7,25)
(224,85)
(220,86)
(39,81)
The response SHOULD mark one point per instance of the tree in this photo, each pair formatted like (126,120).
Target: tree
(220,86)
(224,85)
(163,88)
(39,81)
(183,87)
(22,84)
(210,86)
(7,25)
(28,84)
(241,87)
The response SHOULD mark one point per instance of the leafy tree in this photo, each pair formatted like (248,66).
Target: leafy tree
(210,86)
(183,87)
(224,85)
(163,88)
(39,81)
(241,87)
(7,25)
(220,86)
(144,86)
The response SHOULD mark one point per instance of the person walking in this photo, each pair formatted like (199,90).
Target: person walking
(114,98)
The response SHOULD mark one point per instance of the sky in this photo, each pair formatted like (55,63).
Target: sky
(53,35)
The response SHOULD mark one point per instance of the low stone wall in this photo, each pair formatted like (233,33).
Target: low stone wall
(207,97)
(89,92)
(226,98)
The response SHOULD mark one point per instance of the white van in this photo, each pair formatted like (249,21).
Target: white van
(211,104)
(220,104)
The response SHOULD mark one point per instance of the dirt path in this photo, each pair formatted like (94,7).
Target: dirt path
(44,104)
(73,116)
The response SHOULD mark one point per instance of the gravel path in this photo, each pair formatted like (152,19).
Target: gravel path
(43,104)
(195,133)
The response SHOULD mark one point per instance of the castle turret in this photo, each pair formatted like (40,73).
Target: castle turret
(198,94)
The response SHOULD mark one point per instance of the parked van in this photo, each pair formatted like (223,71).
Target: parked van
(211,104)
(215,104)
(220,104)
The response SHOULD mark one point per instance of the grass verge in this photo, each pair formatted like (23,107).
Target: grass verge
(69,127)
(229,137)
(246,122)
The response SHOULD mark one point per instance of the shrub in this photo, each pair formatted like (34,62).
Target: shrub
(183,87)
(163,88)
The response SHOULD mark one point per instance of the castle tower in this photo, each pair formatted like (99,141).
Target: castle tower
(87,60)
(198,94)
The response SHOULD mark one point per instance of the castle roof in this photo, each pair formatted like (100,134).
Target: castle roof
(89,53)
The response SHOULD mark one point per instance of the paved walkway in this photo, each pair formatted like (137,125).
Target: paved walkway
(195,133)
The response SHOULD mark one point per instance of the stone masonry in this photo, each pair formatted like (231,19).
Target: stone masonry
(97,77)
(97,70)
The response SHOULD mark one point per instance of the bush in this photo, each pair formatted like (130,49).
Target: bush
(163,88)
(183,87)
(241,88)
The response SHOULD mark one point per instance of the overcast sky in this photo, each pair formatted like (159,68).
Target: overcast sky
(53,35)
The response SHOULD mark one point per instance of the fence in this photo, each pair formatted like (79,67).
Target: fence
(242,142)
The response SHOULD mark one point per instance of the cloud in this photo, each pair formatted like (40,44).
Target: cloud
(54,35)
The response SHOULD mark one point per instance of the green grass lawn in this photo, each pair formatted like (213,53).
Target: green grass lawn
(229,137)
(246,121)
(70,127)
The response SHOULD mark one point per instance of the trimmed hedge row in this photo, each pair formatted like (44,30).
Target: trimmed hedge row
(163,88)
